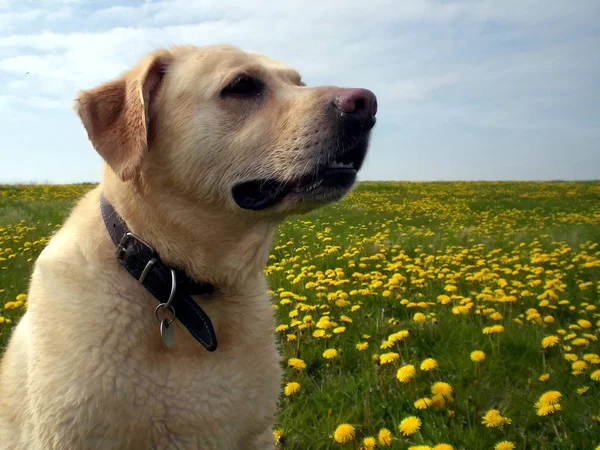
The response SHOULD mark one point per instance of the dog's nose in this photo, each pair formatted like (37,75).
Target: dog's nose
(361,103)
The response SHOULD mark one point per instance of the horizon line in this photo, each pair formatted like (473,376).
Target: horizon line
(550,180)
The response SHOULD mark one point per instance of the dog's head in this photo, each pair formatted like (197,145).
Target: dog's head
(231,129)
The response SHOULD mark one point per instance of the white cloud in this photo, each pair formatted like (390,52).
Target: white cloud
(10,21)
(60,14)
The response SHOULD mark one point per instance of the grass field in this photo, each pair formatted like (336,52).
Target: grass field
(412,315)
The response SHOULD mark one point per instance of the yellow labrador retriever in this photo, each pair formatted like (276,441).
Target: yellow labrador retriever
(149,324)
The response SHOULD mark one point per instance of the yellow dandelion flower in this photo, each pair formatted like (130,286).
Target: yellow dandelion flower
(409,425)
(580,342)
(344,433)
(277,435)
(544,377)
(438,401)
(423,403)
(406,373)
(579,366)
(582,390)
(296,363)
(441,388)
(419,447)
(318,333)
(386,344)
(330,353)
(477,356)
(387,358)
(291,388)
(419,317)
(493,419)
(369,443)
(544,410)
(550,341)
(362,346)
(595,375)
(493,329)
(550,397)
(442,447)
(429,364)
(399,336)
(443,299)
(384,437)
(505,445)
(13,305)
(339,330)
(461,309)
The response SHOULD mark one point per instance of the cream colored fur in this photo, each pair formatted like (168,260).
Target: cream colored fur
(85,368)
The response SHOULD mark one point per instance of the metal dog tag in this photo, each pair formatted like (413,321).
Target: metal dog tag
(167,333)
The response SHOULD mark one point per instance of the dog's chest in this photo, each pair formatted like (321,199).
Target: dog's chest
(210,403)
(117,386)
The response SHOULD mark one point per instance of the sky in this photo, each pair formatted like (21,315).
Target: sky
(467,89)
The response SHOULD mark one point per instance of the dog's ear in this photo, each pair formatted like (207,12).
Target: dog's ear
(116,114)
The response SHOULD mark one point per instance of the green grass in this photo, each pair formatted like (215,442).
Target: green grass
(522,255)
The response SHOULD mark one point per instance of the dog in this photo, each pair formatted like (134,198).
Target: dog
(149,324)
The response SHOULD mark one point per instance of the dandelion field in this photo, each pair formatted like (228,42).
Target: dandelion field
(412,315)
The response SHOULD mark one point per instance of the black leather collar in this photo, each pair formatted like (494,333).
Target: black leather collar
(142,262)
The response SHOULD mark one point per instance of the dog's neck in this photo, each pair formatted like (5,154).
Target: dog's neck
(210,246)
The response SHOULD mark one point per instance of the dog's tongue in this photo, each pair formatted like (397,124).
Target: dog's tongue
(258,194)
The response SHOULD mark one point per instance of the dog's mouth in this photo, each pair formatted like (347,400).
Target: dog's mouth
(327,182)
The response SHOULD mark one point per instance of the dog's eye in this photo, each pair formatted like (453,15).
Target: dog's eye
(243,86)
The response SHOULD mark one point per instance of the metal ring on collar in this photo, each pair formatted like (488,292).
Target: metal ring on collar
(168,303)
(169,308)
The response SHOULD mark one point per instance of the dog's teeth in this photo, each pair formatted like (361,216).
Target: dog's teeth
(313,186)
(339,165)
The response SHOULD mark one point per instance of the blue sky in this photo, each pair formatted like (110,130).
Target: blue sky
(469,90)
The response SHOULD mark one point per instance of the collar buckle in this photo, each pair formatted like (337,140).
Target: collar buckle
(125,240)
